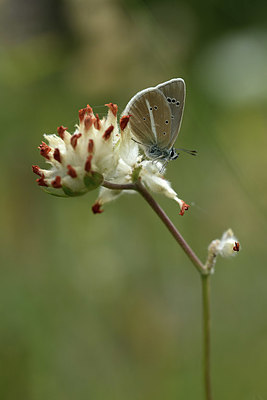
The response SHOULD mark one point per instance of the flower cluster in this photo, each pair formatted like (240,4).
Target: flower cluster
(98,151)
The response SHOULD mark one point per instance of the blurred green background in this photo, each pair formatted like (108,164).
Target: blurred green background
(108,306)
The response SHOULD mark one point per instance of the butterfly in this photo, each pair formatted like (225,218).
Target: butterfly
(156,116)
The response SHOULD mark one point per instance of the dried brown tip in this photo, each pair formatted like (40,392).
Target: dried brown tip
(90,146)
(61,131)
(41,181)
(74,139)
(36,170)
(107,132)
(97,123)
(82,112)
(57,155)
(96,208)
(88,165)
(236,246)
(87,110)
(57,182)
(124,121)
(113,108)
(184,208)
(71,171)
(44,150)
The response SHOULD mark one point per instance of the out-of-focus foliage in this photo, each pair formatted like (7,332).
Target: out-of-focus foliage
(107,306)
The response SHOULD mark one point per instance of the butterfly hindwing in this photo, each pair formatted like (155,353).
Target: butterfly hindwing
(174,91)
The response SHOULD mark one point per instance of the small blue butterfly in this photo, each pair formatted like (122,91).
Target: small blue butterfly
(156,116)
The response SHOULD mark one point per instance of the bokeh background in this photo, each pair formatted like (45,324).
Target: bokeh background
(108,306)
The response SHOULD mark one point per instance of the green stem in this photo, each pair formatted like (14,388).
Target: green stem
(206,335)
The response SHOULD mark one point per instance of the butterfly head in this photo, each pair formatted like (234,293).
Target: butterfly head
(155,152)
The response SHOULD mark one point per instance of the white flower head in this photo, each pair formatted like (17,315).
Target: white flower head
(98,151)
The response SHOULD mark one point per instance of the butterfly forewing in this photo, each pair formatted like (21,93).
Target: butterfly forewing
(174,92)
(150,119)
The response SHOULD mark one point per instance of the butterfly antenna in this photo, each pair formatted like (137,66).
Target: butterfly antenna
(192,152)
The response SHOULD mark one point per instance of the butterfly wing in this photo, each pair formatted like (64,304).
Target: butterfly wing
(150,120)
(174,92)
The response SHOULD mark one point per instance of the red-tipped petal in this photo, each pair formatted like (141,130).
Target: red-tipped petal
(87,166)
(57,155)
(113,108)
(82,112)
(124,121)
(74,139)
(89,110)
(90,146)
(108,132)
(71,171)
(56,183)
(44,150)
(97,123)
(41,181)
(36,170)
(61,131)
(96,208)
(184,208)
(88,121)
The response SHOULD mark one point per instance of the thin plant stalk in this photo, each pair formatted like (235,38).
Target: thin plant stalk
(201,268)
(171,227)
(139,187)
(205,280)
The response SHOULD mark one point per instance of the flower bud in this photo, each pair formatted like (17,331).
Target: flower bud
(229,244)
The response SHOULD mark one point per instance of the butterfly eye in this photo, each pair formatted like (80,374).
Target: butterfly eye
(164,133)
(144,118)
(169,99)
(155,107)
(166,122)
(150,108)
(177,103)
(173,100)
